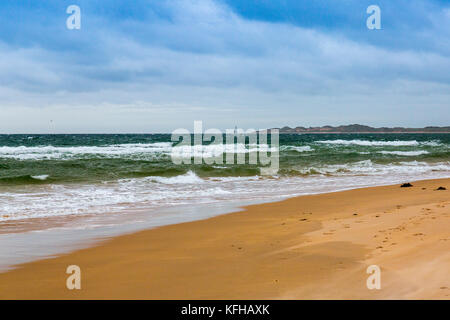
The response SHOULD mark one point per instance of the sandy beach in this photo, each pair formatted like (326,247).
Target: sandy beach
(308,247)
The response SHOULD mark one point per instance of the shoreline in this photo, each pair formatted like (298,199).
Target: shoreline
(53,236)
(294,248)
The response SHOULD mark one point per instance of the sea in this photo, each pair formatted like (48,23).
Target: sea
(74,184)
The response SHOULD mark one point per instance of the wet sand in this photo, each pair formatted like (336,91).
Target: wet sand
(309,247)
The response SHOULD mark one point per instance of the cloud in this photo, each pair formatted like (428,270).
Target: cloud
(201,55)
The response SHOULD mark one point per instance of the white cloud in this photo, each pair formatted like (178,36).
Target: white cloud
(208,57)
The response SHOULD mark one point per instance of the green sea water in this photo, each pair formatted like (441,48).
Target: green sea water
(59,175)
(45,159)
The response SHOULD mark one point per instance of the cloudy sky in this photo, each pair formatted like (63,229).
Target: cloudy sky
(156,65)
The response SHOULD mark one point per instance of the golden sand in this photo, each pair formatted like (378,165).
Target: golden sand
(309,247)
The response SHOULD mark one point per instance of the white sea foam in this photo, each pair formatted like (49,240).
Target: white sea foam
(41,177)
(51,152)
(296,148)
(368,168)
(405,153)
(128,150)
(151,150)
(189,177)
(371,143)
(432,143)
(215,150)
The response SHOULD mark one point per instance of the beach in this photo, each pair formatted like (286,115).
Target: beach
(225,150)
(307,247)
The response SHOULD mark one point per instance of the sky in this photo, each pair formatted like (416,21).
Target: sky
(157,65)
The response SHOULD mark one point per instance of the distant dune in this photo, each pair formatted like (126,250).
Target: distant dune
(358,128)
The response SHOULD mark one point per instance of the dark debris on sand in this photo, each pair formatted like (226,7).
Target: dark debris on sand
(441,188)
(406,185)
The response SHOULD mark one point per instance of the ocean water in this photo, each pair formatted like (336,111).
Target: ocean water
(51,176)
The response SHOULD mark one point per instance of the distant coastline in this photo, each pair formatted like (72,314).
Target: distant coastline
(357,128)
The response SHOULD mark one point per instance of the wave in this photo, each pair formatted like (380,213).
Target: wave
(189,177)
(217,150)
(113,174)
(296,148)
(405,153)
(23,179)
(149,151)
(128,150)
(368,168)
(153,193)
(371,143)
(41,177)
(51,152)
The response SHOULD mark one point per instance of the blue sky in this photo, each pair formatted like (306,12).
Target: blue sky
(153,66)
